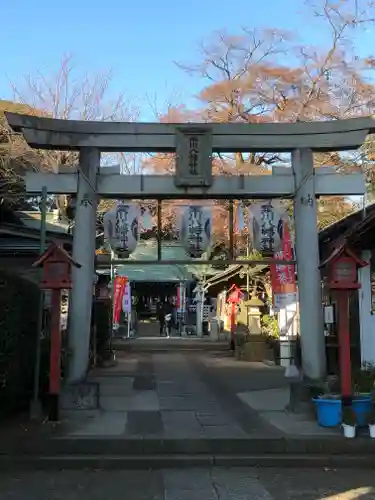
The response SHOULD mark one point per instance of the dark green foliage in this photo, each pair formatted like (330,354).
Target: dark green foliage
(364,379)
(19,300)
(101,318)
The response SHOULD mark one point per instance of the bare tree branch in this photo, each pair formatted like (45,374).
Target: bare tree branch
(67,94)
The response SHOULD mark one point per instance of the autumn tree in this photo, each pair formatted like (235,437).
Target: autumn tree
(261,76)
(15,156)
(328,82)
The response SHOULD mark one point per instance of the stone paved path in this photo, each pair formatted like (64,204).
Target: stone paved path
(164,395)
(190,484)
(162,409)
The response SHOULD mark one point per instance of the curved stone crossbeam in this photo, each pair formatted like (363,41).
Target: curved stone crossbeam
(49,133)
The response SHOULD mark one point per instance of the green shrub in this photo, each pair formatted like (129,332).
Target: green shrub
(19,302)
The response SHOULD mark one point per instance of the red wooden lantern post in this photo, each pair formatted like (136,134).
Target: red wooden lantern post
(56,264)
(234,299)
(342,265)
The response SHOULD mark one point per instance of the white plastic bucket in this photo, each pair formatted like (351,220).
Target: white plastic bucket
(349,430)
(371,428)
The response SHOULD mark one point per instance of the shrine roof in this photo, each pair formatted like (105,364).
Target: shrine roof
(357,229)
(147,250)
(158,272)
(343,250)
(55,249)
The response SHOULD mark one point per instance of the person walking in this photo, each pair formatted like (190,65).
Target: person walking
(165,316)
(160,316)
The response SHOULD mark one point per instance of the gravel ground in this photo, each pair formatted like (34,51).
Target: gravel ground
(189,484)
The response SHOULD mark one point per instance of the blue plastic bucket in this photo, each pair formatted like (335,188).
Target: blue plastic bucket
(328,411)
(362,406)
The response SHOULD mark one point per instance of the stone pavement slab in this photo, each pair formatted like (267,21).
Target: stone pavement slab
(125,365)
(194,410)
(138,401)
(115,386)
(271,405)
(186,395)
(207,418)
(297,424)
(185,399)
(189,484)
(267,406)
(323,484)
(76,485)
(181,404)
(236,484)
(268,400)
(144,423)
(222,378)
(181,421)
(103,424)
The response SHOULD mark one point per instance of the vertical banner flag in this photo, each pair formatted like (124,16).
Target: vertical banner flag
(127,298)
(119,284)
(181,298)
(239,219)
(283,278)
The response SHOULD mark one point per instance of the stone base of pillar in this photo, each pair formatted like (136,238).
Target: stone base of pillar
(300,399)
(286,353)
(80,396)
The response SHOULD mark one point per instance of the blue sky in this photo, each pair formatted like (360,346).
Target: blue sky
(137,40)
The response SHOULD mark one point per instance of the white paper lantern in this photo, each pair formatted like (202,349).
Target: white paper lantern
(195,230)
(266,222)
(121,228)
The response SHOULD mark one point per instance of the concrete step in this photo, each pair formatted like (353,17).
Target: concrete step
(147,446)
(155,461)
(163,344)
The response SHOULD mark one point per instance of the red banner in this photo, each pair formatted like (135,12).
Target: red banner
(118,293)
(283,278)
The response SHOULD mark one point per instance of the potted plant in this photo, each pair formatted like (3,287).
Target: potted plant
(270,330)
(371,422)
(329,404)
(363,385)
(349,421)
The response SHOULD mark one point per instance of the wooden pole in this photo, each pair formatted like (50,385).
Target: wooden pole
(233,325)
(344,343)
(36,406)
(55,356)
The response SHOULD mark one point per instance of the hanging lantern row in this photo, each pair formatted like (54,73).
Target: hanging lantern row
(122,228)
(264,220)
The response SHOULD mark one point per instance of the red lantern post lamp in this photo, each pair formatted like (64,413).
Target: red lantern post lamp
(342,266)
(56,264)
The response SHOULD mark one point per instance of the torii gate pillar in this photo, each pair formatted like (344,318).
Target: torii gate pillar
(83,252)
(308,261)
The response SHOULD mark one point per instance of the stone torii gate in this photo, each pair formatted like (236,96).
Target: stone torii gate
(194,144)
